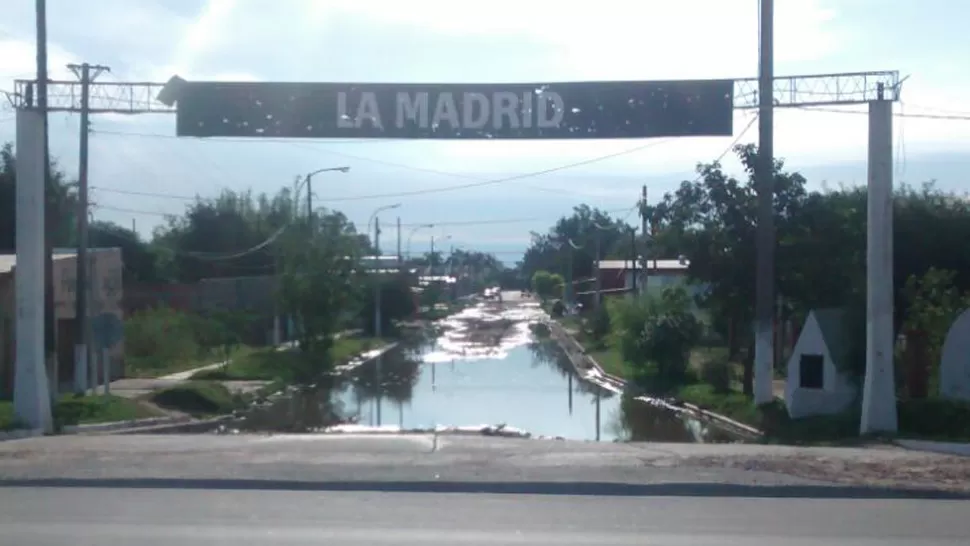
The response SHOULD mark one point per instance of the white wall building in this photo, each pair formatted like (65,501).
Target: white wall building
(816,384)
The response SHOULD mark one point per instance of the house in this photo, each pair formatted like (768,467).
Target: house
(105,283)
(816,384)
(618,277)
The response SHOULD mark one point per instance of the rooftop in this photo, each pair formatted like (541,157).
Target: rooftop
(9,261)
(652,265)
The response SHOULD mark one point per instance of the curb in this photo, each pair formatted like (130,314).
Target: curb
(20,433)
(183,427)
(357,362)
(945,448)
(163,423)
(120,425)
(561,336)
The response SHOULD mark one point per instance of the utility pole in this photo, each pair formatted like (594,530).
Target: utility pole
(879,388)
(86,73)
(569,273)
(643,229)
(599,256)
(399,243)
(377,311)
(765,241)
(309,201)
(50,218)
(633,258)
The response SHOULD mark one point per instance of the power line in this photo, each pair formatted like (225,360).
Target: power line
(240,139)
(630,210)
(480,181)
(495,221)
(943,117)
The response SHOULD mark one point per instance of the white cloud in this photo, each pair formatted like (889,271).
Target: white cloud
(428,40)
(18,61)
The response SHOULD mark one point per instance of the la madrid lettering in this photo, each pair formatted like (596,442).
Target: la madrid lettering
(500,110)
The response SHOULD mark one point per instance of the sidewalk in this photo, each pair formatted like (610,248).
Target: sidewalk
(130,387)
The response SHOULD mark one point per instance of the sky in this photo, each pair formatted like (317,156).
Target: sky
(140,171)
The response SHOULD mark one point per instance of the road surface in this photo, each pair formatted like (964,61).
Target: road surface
(193,517)
(356,490)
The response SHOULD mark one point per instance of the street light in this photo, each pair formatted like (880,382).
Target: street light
(377,227)
(413,231)
(431,255)
(308,182)
(599,256)
(377,296)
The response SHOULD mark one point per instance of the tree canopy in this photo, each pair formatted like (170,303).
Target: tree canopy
(820,254)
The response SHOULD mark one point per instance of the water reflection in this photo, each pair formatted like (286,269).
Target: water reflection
(481,367)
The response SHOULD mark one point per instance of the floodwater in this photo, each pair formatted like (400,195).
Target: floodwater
(480,367)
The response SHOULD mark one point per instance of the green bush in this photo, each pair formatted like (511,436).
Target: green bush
(716,372)
(540,330)
(547,285)
(154,338)
(198,398)
(935,418)
(655,335)
(598,327)
(158,339)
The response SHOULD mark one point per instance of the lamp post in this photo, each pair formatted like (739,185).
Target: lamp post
(431,256)
(308,181)
(411,234)
(377,296)
(599,256)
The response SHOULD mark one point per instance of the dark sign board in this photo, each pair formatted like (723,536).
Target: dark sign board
(585,110)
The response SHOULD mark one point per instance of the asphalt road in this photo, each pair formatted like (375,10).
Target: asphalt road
(112,516)
(315,489)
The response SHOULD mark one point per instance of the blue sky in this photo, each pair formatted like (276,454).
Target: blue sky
(504,41)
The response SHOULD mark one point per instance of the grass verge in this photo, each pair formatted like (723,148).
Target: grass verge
(716,387)
(136,367)
(273,365)
(79,410)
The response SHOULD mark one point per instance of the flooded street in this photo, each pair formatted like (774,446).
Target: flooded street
(481,367)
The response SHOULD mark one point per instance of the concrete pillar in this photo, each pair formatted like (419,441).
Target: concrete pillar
(31,393)
(879,390)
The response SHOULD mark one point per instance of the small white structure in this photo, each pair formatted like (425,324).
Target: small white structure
(955,360)
(816,385)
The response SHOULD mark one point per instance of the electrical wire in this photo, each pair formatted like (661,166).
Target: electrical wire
(479,181)
(206,256)
(495,221)
(274,236)
(910,115)
(629,211)
(277,140)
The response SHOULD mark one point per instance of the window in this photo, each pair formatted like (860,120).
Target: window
(811,372)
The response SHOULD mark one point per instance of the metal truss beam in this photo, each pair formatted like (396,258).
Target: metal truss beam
(105,98)
(822,89)
(789,91)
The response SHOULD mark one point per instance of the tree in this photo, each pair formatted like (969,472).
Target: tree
(547,251)
(140,258)
(547,285)
(397,302)
(655,335)
(712,220)
(62,195)
(482,268)
(320,282)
